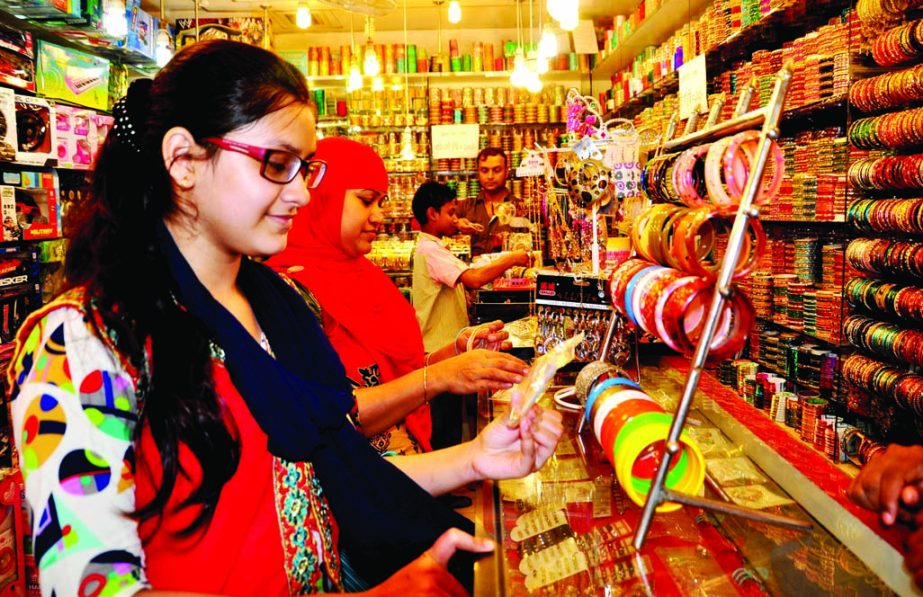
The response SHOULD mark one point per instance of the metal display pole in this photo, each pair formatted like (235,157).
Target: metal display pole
(769,118)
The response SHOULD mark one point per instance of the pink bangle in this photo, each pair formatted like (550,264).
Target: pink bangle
(739,155)
(713,172)
(688,177)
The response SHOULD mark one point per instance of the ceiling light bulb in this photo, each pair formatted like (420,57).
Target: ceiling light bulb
(556,8)
(303,16)
(569,20)
(533,82)
(519,61)
(454,12)
(355,79)
(407,152)
(542,66)
(548,46)
(520,74)
(378,84)
(354,83)
(370,64)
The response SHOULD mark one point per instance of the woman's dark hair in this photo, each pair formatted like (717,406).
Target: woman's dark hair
(210,88)
(430,194)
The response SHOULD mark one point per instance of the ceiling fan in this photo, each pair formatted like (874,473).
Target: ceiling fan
(374,8)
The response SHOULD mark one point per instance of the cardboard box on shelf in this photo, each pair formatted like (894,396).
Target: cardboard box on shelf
(73,76)
(29,207)
(76,129)
(35,133)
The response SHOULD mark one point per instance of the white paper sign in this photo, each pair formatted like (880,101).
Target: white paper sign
(531,165)
(693,92)
(455,141)
(585,38)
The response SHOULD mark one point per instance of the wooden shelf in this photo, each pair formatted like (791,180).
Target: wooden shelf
(81,37)
(455,172)
(491,76)
(782,326)
(835,220)
(653,31)
(787,377)
(780,25)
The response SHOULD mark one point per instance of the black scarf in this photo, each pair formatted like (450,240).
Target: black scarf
(300,400)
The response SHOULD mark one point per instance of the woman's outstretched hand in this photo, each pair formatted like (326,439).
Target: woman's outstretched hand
(501,452)
(429,574)
(477,371)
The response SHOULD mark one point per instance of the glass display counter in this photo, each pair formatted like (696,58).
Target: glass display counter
(568,529)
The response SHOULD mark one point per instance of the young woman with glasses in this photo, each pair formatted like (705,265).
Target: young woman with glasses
(180,417)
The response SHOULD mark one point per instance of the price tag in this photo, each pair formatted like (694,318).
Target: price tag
(531,165)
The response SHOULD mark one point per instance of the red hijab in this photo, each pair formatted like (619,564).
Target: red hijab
(372,322)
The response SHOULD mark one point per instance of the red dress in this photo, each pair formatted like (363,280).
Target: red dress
(267,535)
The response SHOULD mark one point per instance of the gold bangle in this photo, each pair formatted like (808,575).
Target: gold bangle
(425,399)
(354,412)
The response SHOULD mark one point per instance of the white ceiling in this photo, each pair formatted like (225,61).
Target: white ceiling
(421,14)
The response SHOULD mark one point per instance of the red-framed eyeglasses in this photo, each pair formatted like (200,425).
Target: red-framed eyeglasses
(277,165)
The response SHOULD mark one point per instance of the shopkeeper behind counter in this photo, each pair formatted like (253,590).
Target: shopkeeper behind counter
(481,217)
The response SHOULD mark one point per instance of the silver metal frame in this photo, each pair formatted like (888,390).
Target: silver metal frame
(769,117)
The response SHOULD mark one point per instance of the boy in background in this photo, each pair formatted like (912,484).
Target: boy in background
(439,282)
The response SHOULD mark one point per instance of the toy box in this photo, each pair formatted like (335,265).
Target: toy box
(8,140)
(29,206)
(73,76)
(17,58)
(142,27)
(76,132)
(245,29)
(35,132)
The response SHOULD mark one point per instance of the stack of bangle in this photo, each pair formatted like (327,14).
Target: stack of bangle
(886,339)
(899,45)
(876,12)
(885,215)
(895,130)
(905,389)
(878,296)
(657,179)
(887,91)
(712,174)
(669,304)
(857,447)
(890,172)
(688,239)
(886,257)
(630,426)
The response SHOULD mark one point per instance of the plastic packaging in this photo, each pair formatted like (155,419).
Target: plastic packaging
(540,375)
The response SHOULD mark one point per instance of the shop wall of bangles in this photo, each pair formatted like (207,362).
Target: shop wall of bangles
(822,337)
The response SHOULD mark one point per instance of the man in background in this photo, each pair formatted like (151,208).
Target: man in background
(480,217)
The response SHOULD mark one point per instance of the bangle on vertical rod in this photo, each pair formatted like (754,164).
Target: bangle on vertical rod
(768,117)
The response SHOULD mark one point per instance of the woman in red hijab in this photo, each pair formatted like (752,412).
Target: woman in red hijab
(369,322)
